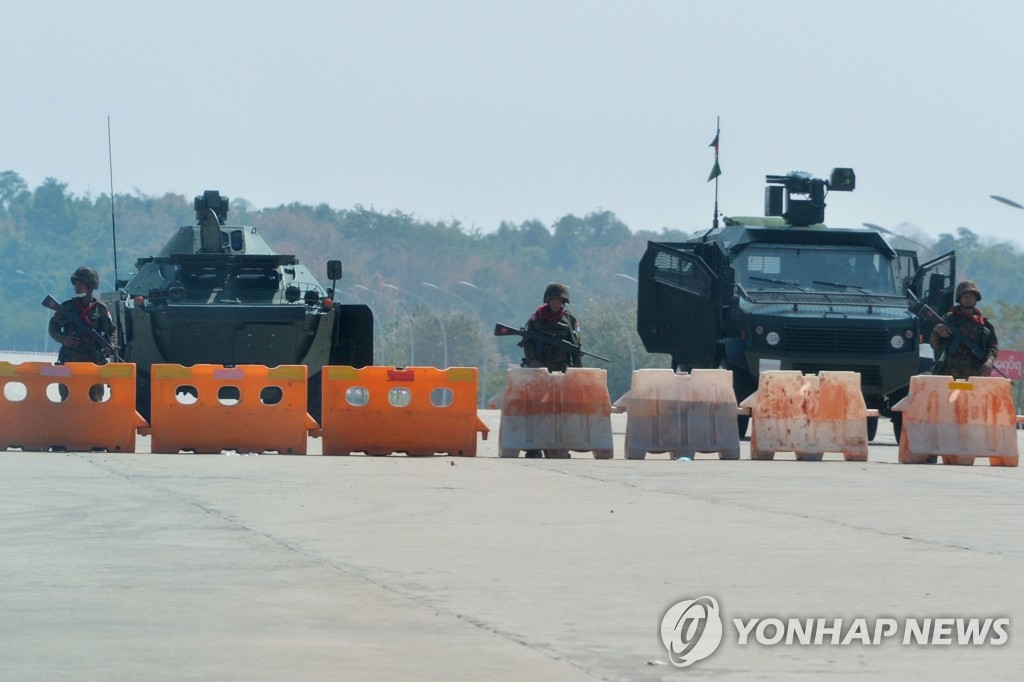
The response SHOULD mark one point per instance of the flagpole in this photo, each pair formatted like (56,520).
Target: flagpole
(716,170)
(718,129)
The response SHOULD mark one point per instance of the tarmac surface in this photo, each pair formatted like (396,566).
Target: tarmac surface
(271,567)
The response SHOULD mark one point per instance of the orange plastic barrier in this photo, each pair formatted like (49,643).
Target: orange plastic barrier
(809,416)
(247,408)
(412,410)
(34,417)
(555,412)
(681,414)
(958,421)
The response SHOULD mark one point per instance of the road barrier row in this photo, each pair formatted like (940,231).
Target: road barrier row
(424,410)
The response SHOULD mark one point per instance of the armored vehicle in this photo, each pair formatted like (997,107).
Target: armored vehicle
(784,291)
(218,294)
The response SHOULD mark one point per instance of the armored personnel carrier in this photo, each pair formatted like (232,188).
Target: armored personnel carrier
(218,294)
(784,291)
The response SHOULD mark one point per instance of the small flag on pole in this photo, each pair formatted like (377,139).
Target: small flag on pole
(716,170)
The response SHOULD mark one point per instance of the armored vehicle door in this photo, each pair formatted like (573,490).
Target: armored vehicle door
(677,307)
(934,283)
(906,261)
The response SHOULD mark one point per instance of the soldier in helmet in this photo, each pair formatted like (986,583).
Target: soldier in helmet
(552,319)
(75,346)
(953,357)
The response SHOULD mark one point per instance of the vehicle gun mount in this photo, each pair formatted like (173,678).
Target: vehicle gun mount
(807,207)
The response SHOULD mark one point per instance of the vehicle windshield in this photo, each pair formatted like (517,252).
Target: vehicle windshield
(847,269)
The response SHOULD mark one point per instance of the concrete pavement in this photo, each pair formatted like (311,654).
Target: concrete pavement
(235,567)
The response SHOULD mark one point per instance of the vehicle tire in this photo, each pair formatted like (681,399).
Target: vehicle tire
(314,397)
(872,428)
(743,387)
(142,395)
(742,423)
(897,425)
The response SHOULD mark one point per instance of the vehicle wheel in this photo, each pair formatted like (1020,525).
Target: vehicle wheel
(872,428)
(314,397)
(743,387)
(897,425)
(742,422)
(142,395)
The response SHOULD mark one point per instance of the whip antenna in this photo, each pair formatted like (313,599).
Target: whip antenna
(113,224)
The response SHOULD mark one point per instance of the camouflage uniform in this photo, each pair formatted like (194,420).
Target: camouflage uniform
(952,356)
(97,316)
(559,326)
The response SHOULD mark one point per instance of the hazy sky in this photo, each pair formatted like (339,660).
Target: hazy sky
(488,111)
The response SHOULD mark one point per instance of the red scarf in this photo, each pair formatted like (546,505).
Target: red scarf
(85,309)
(548,315)
(976,315)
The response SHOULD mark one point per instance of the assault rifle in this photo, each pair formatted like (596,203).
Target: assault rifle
(81,325)
(925,312)
(505,330)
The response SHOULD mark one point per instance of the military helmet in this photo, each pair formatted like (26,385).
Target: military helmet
(86,276)
(967,287)
(556,290)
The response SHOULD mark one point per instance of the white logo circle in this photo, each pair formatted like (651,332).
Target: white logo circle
(691,630)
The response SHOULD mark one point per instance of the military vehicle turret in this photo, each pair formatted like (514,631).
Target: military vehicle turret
(218,294)
(784,291)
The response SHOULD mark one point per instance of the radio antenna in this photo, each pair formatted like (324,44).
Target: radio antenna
(113,224)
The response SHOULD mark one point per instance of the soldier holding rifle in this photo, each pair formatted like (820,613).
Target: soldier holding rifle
(551,337)
(552,320)
(83,326)
(965,342)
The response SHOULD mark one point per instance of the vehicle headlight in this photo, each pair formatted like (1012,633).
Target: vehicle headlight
(896,341)
(772,338)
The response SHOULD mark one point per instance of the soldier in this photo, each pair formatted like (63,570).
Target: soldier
(953,356)
(552,319)
(76,346)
